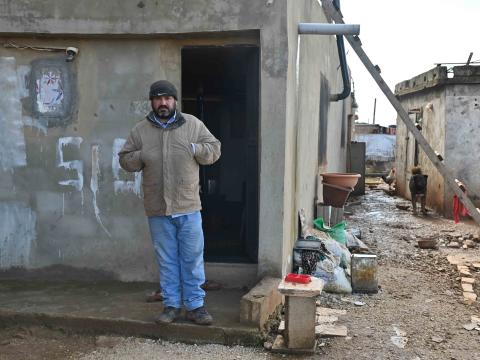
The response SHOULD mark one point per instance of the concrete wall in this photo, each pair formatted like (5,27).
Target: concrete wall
(462,141)
(310,57)
(70,203)
(432,105)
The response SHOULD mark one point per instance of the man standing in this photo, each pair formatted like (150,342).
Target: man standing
(168,146)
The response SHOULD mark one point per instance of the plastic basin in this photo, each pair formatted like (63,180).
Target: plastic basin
(334,195)
(341,179)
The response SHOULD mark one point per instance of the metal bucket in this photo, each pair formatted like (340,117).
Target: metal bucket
(364,273)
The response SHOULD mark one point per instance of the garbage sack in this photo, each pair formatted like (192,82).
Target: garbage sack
(336,232)
(334,276)
(354,244)
(339,251)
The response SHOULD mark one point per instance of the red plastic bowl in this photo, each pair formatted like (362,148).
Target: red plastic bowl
(298,278)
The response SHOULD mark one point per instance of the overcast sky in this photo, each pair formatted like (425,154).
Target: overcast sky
(406,38)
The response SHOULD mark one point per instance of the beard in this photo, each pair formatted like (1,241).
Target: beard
(164,112)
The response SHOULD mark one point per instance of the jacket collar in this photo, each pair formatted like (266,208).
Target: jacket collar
(180,120)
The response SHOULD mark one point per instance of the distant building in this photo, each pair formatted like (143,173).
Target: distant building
(447,110)
(379,146)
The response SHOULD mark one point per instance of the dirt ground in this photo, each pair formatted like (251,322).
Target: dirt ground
(419,305)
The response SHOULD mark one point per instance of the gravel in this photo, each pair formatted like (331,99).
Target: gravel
(140,349)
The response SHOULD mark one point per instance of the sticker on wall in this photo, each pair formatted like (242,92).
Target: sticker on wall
(51,91)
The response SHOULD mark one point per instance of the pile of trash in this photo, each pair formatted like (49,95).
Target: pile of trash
(326,252)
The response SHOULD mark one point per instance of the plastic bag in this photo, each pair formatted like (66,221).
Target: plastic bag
(336,232)
(335,278)
(340,252)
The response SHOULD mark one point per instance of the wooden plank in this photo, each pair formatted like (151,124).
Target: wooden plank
(356,45)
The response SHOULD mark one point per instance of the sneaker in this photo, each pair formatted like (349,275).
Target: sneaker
(200,316)
(169,315)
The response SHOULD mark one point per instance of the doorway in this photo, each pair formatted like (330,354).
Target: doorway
(220,86)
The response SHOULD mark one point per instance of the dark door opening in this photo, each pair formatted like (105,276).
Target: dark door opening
(220,85)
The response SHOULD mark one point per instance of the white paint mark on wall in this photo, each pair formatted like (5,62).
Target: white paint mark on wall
(23,72)
(17,233)
(94,184)
(12,142)
(122,185)
(76,165)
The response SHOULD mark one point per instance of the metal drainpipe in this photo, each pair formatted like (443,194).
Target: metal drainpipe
(339,30)
(343,64)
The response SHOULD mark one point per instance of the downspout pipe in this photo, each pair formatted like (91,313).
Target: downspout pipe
(339,30)
(343,64)
(328,29)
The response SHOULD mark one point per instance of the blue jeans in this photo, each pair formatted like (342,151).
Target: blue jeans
(178,244)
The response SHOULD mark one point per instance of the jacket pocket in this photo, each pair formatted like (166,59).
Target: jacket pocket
(187,195)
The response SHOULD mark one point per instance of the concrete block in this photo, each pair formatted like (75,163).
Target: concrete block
(326,319)
(467,280)
(469,297)
(467,287)
(313,288)
(323,311)
(329,330)
(300,322)
(259,303)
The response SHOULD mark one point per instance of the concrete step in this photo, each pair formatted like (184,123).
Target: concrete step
(119,308)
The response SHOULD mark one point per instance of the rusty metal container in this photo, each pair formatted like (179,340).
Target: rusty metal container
(364,273)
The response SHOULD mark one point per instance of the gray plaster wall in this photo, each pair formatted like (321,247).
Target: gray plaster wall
(432,104)
(462,141)
(98,222)
(310,57)
(61,190)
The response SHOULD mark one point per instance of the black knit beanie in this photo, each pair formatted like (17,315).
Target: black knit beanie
(162,87)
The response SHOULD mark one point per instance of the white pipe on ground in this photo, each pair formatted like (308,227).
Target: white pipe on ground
(328,29)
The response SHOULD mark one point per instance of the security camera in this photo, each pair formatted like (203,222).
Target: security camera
(71,53)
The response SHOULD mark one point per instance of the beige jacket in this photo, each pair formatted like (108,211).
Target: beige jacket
(170,168)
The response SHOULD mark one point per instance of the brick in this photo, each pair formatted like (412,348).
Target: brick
(325,330)
(467,287)
(260,302)
(325,319)
(469,298)
(300,322)
(323,311)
